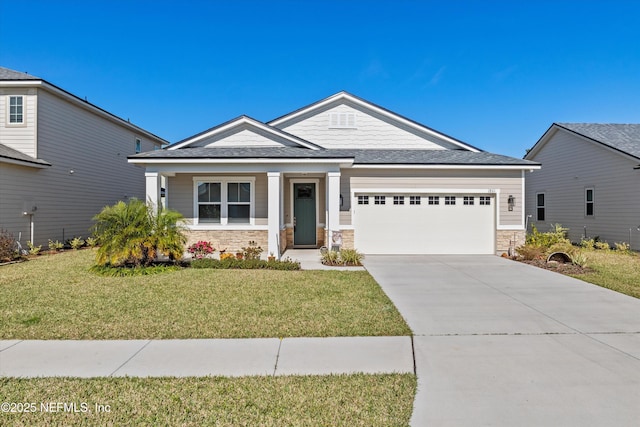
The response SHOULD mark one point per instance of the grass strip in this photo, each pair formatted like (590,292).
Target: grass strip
(336,400)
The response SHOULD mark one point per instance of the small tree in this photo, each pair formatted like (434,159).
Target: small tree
(130,233)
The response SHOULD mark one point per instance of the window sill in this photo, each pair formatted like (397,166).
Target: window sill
(227,227)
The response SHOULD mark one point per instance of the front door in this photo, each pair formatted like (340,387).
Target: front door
(304,214)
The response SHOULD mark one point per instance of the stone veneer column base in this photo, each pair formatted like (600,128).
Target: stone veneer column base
(231,240)
(509,238)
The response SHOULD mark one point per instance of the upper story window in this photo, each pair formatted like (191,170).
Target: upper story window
(16,110)
(540,207)
(588,201)
(138,145)
(342,120)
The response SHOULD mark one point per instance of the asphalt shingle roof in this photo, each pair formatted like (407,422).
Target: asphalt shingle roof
(10,153)
(622,137)
(360,156)
(7,74)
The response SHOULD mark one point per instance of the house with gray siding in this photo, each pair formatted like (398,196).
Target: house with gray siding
(589,181)
(341,172)
(62,159)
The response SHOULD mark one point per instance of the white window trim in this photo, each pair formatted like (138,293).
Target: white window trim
(224,210)
(593,202)
(23,123)
(137,145)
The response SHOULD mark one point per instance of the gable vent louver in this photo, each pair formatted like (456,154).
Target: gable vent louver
(342,120)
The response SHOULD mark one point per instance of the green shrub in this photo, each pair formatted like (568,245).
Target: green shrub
(351,257)
(132,234)
(252,251)
(55,246)
(623,247)
(33,250)
(603,246)
(245,264)
(579,259)
(91,242)
(557,234)
(530,252)
(8,246)
(76,243)
(330,258)
(588,243)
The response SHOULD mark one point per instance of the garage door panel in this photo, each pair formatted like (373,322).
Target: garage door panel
(425,229)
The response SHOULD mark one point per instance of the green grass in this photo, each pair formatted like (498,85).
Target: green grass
(56,297)
(337,400)
(610,269)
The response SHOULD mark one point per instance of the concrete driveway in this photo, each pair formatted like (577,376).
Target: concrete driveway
(505,344)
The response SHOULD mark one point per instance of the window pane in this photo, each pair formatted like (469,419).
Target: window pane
(245,192)
(232,189)
(589,208)
(540,199)
(540,214)
(209,213)
(238,214)
(589,195)
(209,192)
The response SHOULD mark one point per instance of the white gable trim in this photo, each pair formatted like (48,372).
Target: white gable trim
(374,108)
(249,122)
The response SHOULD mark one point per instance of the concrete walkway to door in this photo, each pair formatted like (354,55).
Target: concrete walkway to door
(505,344)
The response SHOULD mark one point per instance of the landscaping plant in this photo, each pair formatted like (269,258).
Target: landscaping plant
(201,249)
(76,243)
(33,249)
(8,246)
(132,234)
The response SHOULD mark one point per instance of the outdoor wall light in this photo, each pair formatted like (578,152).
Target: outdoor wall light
(341,200)
(511,202)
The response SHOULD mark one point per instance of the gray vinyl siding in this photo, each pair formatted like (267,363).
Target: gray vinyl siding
(507,182)
(371,132)
(570,164)
(21,137)
(180,194)
(71,139)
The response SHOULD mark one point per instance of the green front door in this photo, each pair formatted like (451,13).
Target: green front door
(304,214)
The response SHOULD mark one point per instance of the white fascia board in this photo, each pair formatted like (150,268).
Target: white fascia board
(378,110)
(345,162)
(412,166)
(241,121)
(84,104)
(204,169)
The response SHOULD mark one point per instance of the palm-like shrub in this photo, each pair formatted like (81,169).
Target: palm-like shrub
(130,233)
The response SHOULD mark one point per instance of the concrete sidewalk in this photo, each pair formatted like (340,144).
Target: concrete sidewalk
(206,357)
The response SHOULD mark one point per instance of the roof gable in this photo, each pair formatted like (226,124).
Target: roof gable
(243,132)
(623,139)
(367,123)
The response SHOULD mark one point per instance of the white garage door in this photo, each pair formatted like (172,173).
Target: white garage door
(424,224)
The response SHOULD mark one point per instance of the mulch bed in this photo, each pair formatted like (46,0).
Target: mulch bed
(558,267)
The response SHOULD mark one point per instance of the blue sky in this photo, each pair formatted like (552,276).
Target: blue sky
(494,74)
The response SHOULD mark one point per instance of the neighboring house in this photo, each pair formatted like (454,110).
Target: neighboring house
(589,181)
(62,159)
(341,170)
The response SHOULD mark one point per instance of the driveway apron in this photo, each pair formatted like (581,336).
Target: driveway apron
(502,343)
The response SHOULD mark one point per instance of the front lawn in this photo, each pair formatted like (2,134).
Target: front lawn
(56,297)
(335,400)
(613,270)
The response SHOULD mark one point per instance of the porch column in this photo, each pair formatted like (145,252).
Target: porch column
(333,204)
(274,196)
(153,184)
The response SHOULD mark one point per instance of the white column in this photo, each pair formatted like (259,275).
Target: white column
(274,196)
(153,185)
(333,204)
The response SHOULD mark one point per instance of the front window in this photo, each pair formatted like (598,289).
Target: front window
(226,200)
(239,202)
(16,109)
(209,202)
